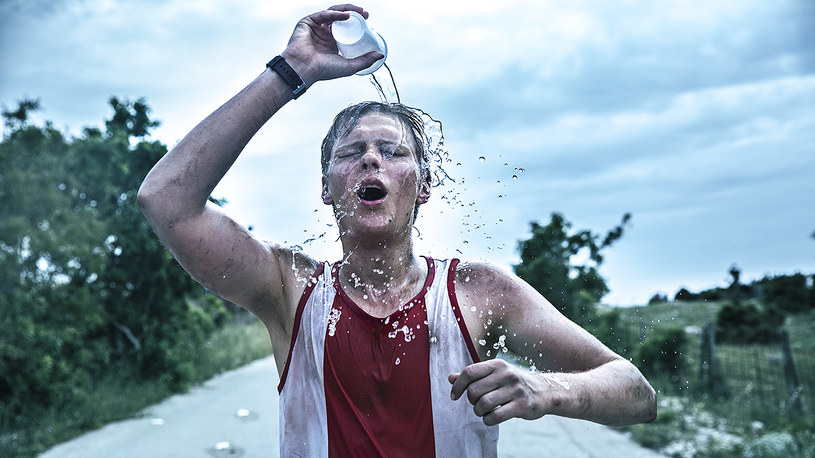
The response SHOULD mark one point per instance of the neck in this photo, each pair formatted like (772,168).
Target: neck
(381,276)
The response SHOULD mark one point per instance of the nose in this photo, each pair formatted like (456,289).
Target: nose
(371,160)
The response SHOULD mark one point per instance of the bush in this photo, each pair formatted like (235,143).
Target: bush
(787,293)
(663,354)
(609,328)
(86,289)
(748,323)
(772,445)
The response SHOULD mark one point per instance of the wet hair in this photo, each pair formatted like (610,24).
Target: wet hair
(347,119)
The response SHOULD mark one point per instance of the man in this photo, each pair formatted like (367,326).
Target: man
(375,352)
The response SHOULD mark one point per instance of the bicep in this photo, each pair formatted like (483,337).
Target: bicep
(226,258)
(544,336)
(512,314)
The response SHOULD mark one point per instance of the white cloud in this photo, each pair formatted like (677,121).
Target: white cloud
(694,115)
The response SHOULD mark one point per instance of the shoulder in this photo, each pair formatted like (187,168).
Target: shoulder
(481,279)
(292,272)
(491,299)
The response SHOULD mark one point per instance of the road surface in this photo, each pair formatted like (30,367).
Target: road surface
(235,415)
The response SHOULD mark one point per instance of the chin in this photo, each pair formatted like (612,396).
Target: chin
(375,228)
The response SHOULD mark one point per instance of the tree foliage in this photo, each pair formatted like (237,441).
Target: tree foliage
(747,323)
(548,263)
(787,293)
(85,287)
(663,354)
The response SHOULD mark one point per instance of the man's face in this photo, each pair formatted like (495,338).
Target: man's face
(374,181)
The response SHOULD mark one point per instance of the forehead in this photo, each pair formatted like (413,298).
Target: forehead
(378,127)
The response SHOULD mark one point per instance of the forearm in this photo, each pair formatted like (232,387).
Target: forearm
(614,394)
(180,183)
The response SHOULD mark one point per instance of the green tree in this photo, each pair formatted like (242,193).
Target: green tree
(548,264)
(747,322)
(85,287)
(786,293)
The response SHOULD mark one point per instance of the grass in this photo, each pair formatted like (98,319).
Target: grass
(119,395)
(753,418)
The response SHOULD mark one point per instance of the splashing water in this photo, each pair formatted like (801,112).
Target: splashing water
(333,318)
(437,156)
(384,86)
(404,329)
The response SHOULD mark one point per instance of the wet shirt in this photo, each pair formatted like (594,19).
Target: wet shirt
(357,385)
(376,379)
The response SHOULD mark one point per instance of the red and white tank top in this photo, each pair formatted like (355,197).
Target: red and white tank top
(358,385)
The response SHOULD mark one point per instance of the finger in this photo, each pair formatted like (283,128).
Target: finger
(365,60)
(452,377)
(470,374)
(329,16)
(500,414)
(497,379)
(350,7)
(490,401)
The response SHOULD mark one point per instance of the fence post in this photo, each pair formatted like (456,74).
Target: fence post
(790,376)
(709,375)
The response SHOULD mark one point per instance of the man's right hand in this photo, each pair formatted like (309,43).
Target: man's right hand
(312,51)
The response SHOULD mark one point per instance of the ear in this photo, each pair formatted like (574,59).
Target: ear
(424,188)
(327,199)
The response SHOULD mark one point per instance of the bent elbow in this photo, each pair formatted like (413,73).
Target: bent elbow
(649,407)
(146,196)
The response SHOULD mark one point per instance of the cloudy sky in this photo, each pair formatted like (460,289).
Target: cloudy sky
(698,117)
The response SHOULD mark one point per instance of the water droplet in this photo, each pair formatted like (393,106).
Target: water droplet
(333,318)
(482,342)
(397,361)
(157,422)
(467,278)
(473,309)
(514,177)
(482,158)
(241,413)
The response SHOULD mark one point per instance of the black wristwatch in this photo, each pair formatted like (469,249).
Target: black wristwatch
(292,79)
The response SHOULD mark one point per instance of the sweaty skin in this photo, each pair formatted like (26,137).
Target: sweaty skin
(373,183)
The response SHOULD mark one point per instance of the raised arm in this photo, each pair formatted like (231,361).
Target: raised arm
(217,252)
(580,377)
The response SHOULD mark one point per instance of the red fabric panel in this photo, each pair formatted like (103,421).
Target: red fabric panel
(377,382)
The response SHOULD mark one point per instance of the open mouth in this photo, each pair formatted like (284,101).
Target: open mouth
(371,193)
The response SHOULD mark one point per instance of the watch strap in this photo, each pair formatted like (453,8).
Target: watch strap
(292,79)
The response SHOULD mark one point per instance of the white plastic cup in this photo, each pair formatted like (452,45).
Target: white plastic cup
(354,38)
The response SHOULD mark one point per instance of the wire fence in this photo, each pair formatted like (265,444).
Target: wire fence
(766,380)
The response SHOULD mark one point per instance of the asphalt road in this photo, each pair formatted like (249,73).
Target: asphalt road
(235,415)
